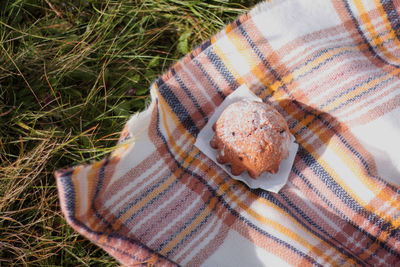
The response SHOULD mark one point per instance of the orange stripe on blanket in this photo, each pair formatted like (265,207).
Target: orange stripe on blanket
(289,77)
(77,189)
(255,70)
(227,63)
(170,180)
(92,179)
(224,189)
(338,101)
(374,187)
(179,153)
(376,39)
(210,207)
(245,50)
(325,139)
(386,22)
(357,171)
(146,199)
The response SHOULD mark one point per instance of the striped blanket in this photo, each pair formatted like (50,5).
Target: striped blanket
(331,68)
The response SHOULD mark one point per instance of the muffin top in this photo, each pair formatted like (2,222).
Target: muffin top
(251,136)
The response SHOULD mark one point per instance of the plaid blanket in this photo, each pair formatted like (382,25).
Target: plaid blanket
(331,68)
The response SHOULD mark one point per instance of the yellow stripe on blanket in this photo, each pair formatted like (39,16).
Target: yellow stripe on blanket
(382,14)
(376,39)
(227,63)
(353,93)
(224,189)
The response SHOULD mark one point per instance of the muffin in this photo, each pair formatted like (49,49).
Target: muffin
(251,136)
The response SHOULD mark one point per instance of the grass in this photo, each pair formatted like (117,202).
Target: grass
(71,74)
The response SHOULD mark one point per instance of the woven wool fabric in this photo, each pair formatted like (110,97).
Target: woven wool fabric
(331,68)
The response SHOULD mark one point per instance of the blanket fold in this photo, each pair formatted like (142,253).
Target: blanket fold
(331,68)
